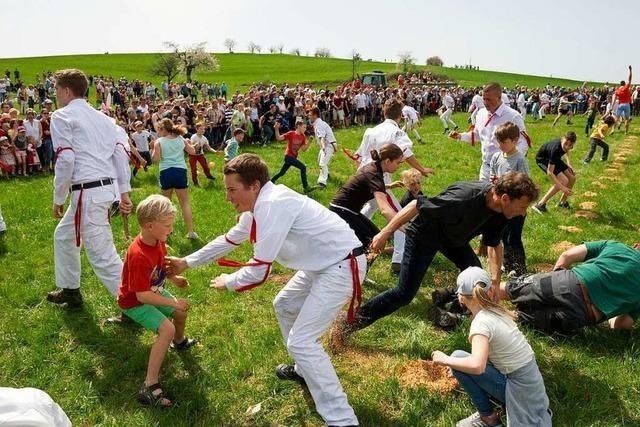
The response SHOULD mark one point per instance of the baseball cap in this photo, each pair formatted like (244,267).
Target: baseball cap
(3,138)
(468,279)
(22,129)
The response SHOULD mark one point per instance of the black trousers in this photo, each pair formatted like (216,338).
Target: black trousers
(363,227)
(418,255)
(595,142)
(514,255)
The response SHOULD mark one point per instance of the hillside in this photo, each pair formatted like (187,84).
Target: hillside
(242,69)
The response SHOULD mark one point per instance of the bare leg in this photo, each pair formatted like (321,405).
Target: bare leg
(183,197)
(156,356)
(568,179)
(179,321)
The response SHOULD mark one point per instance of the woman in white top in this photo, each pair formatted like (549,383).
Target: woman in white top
(501,366)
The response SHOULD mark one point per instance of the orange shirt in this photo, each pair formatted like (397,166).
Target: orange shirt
(623,93)
(142,271)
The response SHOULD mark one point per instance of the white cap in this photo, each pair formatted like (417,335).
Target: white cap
(469,278)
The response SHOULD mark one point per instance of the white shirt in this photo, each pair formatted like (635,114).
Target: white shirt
(544,98)
(361,100)
(484,131)
(290,228)
(409,113)
(505,99)
(94,153)
(448,102)
(384,133)
(199,142)
(476,102)
(508,348)
(141,140)
(323,130)
(521,101)
(33,129)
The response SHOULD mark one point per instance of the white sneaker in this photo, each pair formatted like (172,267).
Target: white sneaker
(193,235)
(474,420)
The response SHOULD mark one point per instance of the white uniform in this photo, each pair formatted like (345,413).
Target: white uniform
(33,129)
(476,105)
(544,103)
(522,105)
(3,226)
(30,407)
(373,139)
(90,148)
(445,117)
(303,235)
(410,116)
(484,133)
(323,130)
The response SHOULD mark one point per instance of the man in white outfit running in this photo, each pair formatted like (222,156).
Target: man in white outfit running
(373,139)
(283,225)
(92,167)
(447,106)
(328,144)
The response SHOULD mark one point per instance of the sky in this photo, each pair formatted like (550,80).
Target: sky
(583,40)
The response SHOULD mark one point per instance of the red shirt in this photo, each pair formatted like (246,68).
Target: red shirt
(142,271)
(294,142)
(623,93)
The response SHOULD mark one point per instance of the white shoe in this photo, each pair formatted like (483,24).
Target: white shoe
(193,235)
(474,420)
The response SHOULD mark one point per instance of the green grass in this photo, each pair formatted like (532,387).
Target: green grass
(240,70)
(94,370)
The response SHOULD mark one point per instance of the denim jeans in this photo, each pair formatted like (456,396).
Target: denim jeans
(288,162)
(490,383)
(418,254)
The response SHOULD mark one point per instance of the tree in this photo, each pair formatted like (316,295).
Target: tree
(280,47)
(322,52)
(167,65)
(435,60)
(230,44)
(272,49)
(355,61)
(193,57)
(405,61)
(252,47)
(258,48)
(295,51)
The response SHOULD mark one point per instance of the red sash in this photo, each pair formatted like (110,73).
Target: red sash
(356,297)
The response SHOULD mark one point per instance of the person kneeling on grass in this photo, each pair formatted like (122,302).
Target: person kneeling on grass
(142,296)
(605,286)
(501,366)
(549,159)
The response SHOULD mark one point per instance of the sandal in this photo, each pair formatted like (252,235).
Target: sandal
(147,397)
(185,344)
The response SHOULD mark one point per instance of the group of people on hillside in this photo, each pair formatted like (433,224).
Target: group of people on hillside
(591,283)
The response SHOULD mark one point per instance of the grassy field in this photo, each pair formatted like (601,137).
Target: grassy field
(240,70)
(94,370)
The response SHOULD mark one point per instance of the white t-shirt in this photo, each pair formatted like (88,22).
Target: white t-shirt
(361,100)
(448,102)
(508,348)
(409,113)
(477,102)
(141,140)
(199,142)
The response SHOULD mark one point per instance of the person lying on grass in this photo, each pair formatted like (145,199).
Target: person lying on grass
(605,286)
(142,296)
(501,367)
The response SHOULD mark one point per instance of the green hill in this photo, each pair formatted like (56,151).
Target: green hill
(242,69)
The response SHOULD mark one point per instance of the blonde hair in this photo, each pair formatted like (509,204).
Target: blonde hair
(485,301)
(410,176)
(154,208)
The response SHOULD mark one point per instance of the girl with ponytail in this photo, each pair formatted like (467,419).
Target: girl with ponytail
(501,365)
(366,184)
(169,151)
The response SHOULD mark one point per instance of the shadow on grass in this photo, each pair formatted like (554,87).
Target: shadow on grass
(121,367)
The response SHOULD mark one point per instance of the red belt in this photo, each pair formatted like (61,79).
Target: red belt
(356,297)
(77,217)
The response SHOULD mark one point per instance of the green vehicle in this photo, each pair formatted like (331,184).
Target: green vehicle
(374,78)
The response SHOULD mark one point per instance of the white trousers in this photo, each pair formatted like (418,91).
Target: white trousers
(324,157)
(485,172)
(96,237)
(305,309)
(30,407)
(370,208)
(3,226)
(445,118)
(473,116)
(523,110)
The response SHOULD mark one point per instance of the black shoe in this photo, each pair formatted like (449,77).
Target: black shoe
(288,372)
(455,128)
(564,204)
(211,177)
(69,298)
(395,268)
(443,319)
(195,184)
(442,297)
(445,131)
(322,186)
(308,190)
(185,344)
(539,208)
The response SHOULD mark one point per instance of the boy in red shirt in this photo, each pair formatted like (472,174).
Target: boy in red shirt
(296,141)
(142,296)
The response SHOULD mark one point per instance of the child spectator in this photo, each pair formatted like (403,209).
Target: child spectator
(231,145)
(597,140)
(549,159)
(141,138)
(7,157)
(142,296)
(509,159)
(591,113)
(296,141)
(20,142)
(502,366)
(33,161)
(168,150)
(200,144)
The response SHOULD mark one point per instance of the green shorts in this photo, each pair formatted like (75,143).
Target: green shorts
(151,316)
